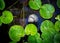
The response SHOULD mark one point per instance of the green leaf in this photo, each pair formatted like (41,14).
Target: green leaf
(2,4)
(57,26)
(57,38)
(48,31)
(47,41)
(58,3)
(57,17)
(30,29)
(7,17)
(47,37)
(0,21)
(47,26)
(35,39)
(16,32)
(47,11)
(35,4)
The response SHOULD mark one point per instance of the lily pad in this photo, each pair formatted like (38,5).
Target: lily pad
(35,4)
(57,17)
(57,26)
(7,17)
(58,3)
(47,37)
(47,11)
(57,38)
(16,32)
(35,39)
(47,41)
(2,4)
(47,26)
(30,29)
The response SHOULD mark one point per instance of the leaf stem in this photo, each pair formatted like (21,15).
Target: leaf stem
(12,4)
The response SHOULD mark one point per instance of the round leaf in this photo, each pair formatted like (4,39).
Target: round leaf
(2,4)
(35,39)
(16,32)
(58,3)
(7,17)
(30,29)
(47,26)
(35,4)
(47,11)
(57,38)
(57,26)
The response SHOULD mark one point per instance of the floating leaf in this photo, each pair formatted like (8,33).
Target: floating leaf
(2,4)
(16,32)
(57,38)
(47,41)
(7,17)
(47,37)
(47,11)
(57,26)
(30,29)
(35,4)
(58,3)
(35,39)
(47,26)
(57,17)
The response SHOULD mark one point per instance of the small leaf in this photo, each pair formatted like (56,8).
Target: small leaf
(47,11)
(7,17)
(47,37)
(57,17)
(57,26)
(16,32)
(57,38)
(47,26)
(2,4)
(58,3)
(35,4)
(30,29)
(35,39)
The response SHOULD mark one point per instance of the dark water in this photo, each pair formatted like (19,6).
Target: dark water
(4,37)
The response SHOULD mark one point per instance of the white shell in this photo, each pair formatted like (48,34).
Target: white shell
(33,18)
